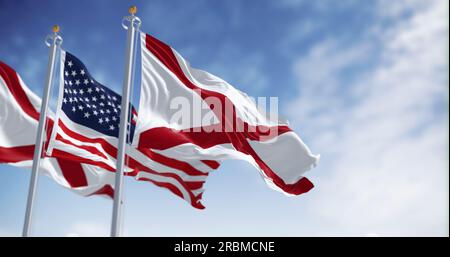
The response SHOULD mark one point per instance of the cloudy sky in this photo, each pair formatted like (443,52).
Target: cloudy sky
(364,83)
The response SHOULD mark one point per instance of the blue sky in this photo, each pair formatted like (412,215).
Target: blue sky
(364,83)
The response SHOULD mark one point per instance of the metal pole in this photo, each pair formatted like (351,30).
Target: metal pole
(56,41)
(116,226)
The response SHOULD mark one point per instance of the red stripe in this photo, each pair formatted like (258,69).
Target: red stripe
(138,167)
(71,157)
(173,163)
(132,163)
(195,202)
(16,154)
(169,186)
(73,172)
(141,168)
(133,116)
(239,140)
(152,138)
(211,163)
(109,149)
(90,149)
(15,88)
(194,185)
(105,190)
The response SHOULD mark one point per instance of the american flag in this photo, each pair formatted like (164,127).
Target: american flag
(86,130)
(89,103)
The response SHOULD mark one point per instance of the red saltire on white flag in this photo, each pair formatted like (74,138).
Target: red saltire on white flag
(19,117)
(278,153)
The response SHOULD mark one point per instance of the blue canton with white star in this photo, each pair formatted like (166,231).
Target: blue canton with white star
(89,103)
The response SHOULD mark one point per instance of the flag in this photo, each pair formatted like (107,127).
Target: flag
(86,130)
(236,128)
(19,117)
(87,117)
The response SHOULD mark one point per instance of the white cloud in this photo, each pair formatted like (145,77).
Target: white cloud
(384,145)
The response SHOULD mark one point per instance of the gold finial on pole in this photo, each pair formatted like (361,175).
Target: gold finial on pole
(55,29)
(132,10)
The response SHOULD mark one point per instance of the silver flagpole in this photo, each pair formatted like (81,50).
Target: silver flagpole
(53,41)
(133,27)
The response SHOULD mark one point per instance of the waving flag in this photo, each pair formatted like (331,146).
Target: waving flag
(236,130)
(86,130)
(18,126)
(88,117)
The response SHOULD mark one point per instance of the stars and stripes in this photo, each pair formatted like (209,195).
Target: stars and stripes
(87,102)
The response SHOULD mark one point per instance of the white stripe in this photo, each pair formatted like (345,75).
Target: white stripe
(198,191)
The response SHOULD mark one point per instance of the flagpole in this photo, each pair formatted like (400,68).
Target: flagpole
(134,23)
(55,42)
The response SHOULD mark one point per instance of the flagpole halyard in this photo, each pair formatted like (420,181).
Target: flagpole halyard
(134,23)
(54,44)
